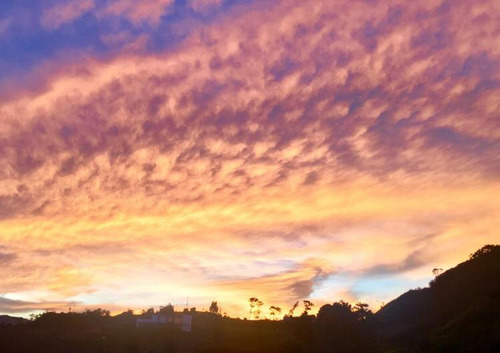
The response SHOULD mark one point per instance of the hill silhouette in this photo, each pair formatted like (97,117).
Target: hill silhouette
(458,312)
(11,320)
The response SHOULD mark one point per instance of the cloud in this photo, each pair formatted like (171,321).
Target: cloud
(20,306)
(204,6)
(7,258)
(283,288)
(413,261)
(143,12)
(64,12)
(277,133)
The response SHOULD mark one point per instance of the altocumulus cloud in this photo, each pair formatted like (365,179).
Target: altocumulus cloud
(320,132)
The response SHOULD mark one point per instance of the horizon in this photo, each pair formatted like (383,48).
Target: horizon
(227,149)
(297,310)
(77,308)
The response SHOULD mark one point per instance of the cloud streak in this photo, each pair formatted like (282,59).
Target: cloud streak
(10,306)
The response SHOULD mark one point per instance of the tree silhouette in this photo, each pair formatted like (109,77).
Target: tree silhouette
(484,250)
(274,310)
(292,310)
(257,310)
(214,308)
(362,311)
(341,325)
(252,302)
(97,312)
(255,305)
(307,307)
(167,309)
(148,313)
(437,271)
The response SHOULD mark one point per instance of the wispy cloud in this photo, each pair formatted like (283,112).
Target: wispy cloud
(20,306)
(64,12)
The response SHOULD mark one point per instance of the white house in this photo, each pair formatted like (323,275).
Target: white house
(178,320)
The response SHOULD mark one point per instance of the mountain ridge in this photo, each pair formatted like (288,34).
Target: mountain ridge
(460,309)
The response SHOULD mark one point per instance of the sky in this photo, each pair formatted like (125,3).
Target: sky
(161,150)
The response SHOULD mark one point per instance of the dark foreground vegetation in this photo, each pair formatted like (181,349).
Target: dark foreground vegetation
(459,312)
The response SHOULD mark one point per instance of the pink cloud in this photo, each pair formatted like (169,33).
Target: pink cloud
(204,5)
(138,12)
(149,11)
(61,13)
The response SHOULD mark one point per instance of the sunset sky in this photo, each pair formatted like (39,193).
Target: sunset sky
(225,149)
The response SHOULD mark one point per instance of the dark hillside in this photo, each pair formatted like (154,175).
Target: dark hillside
(460,312)
(10,320)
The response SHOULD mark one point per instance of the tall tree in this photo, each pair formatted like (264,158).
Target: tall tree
(362,311)
(257,312)
(292,310)
(274,310)
(167,309)
(255,305)
(214,308)
(307,307)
